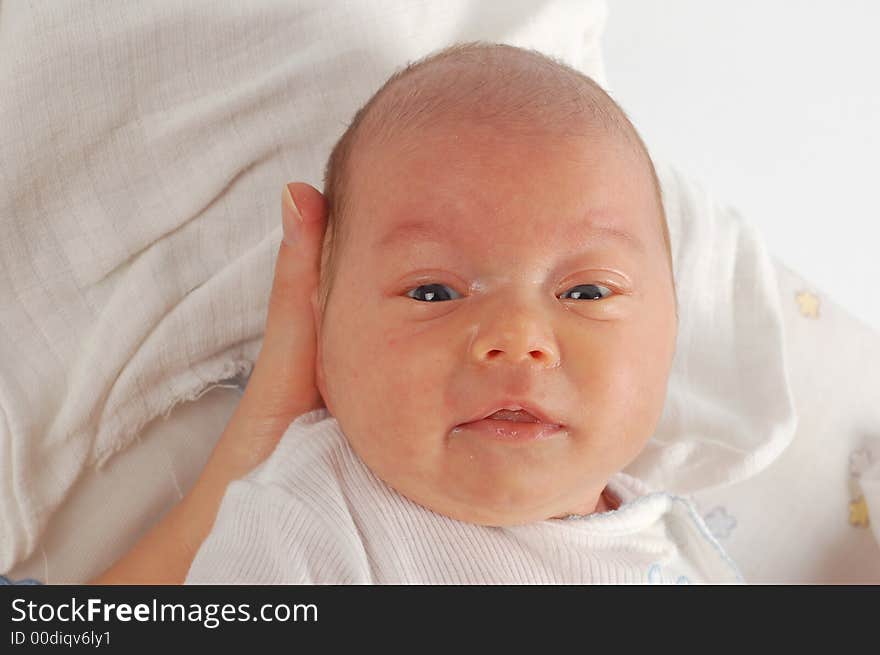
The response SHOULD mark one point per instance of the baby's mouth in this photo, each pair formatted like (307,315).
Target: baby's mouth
(513,411)
(519,415)
(510,426)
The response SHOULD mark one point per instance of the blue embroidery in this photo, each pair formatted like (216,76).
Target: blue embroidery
(6,581)
(719,522)
(655,576)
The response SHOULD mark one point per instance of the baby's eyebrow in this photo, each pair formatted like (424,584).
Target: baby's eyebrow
(415,230)
(421,230)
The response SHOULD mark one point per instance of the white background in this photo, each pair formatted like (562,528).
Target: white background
(774,107)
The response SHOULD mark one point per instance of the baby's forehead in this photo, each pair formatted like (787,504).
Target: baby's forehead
(486,151)
(447,171)
(415,215)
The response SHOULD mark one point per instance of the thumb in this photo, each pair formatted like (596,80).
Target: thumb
(282,385)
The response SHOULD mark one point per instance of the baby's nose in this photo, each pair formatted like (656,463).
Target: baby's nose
(519,339)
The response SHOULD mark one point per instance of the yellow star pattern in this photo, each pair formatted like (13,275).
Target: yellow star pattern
(808,303)
(858,512)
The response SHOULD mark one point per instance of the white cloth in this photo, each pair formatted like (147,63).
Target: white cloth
(313,513)
(143,149)
(813,515)
(729,410)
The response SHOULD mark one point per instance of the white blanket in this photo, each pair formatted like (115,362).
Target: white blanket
(143,148)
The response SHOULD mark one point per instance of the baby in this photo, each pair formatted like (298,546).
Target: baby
(496,326)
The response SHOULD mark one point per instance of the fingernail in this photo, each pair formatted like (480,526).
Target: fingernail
(290,219)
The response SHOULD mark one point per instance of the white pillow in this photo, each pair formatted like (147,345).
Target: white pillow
(143,150)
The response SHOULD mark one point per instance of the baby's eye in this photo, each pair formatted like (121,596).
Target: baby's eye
(432,292)
(588,292)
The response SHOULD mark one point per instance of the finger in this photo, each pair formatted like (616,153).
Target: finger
(282,385)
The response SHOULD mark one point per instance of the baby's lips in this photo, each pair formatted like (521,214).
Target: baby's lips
(516,410)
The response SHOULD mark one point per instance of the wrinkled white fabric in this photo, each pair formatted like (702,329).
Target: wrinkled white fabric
(729,410)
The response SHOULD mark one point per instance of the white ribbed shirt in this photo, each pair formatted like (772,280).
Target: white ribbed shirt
(313,513)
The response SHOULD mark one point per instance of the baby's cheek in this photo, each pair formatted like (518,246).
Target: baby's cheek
(414,350)
(413,377)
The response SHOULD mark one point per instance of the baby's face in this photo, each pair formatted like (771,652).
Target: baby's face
(486,270)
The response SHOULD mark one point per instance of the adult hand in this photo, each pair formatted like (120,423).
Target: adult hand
(281,387)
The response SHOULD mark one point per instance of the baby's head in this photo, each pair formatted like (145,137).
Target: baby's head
(496,238)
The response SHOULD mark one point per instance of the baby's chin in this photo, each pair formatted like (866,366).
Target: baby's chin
(489,482)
